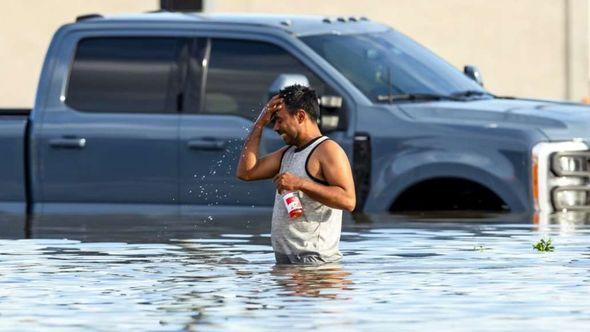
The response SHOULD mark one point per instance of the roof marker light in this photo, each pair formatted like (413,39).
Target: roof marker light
(87,17)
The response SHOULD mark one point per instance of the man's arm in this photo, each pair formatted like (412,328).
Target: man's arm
(340,193)
(250,167)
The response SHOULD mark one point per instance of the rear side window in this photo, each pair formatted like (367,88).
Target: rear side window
(241,72)
(137,75)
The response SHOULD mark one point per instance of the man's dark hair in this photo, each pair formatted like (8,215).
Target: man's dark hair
(301,97)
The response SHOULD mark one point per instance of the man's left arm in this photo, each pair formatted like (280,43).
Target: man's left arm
(339,193)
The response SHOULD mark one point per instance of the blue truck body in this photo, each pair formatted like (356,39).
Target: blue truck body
(475,152)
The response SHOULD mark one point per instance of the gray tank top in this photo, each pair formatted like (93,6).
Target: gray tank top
(314,237)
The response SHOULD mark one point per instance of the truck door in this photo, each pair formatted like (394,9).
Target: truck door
(112,145)
(236,77)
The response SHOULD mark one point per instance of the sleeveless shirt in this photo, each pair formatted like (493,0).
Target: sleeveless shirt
(314,237)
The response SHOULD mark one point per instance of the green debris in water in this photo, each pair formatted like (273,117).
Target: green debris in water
(480,247)
(544,245)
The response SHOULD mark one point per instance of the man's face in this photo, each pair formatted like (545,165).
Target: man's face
(286,125)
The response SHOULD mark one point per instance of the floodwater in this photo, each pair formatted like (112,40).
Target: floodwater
(218,274)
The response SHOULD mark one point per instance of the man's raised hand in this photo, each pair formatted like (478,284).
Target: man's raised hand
(273,106)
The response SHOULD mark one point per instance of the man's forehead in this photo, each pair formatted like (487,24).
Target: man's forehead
(281,113)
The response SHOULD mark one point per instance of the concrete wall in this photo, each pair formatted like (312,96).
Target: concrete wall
(532,48)
(26,28)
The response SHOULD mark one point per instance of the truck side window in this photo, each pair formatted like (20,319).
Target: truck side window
(137,75)
(241,72)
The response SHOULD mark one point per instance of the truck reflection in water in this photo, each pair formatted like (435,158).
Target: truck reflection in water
(163,228)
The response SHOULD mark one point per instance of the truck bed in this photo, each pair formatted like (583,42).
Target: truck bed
(13,156)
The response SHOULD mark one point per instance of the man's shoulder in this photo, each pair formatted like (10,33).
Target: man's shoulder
(330,144)
(329,149)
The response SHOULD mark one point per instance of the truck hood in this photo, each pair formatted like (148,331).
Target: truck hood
(558,121)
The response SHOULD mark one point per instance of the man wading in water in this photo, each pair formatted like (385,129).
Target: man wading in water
(311,165)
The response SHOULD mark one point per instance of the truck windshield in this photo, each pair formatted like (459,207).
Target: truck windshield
(388,63)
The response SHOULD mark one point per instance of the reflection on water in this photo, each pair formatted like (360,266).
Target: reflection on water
(327,281)
(420,273)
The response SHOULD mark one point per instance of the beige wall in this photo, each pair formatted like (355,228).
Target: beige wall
(26,28)
(532,48)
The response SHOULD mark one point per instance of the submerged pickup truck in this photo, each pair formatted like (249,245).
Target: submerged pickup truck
(147,113)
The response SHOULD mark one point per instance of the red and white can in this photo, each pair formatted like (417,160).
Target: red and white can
(293,205)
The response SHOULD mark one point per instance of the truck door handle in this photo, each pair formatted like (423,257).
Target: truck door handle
(67,143)
(206,144)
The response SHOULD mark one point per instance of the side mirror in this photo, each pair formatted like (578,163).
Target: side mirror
(284,80)
(473,73)
(329,112)
(331,101)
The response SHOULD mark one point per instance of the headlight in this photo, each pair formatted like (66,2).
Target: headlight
(547,168)
(570,163)
(571,198)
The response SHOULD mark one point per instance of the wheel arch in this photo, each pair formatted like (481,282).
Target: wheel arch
(507,188)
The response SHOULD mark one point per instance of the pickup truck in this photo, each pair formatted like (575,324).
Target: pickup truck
(147,113)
